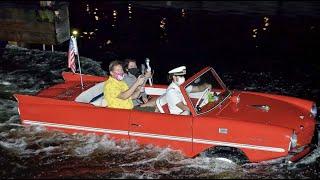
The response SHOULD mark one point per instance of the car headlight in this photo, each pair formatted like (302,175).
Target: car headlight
(314,110)
(293,140)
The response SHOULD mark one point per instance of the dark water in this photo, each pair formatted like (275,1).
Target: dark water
(281,59)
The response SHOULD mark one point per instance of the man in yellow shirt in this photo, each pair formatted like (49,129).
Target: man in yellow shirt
(116,91)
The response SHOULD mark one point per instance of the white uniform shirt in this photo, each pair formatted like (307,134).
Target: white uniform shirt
(174,96)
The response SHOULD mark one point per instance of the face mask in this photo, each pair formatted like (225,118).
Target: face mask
(180,81)
(134,71)
(119,76)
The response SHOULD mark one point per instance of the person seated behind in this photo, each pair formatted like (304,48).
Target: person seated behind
(116,91)
(132,72)
(130,77)
(174,97)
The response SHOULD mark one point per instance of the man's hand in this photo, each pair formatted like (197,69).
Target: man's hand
(209,86)
(144,99)
(140,80)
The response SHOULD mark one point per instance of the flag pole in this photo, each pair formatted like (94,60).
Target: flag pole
(80,71)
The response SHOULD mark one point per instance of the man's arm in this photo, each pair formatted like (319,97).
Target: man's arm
(201,87)
(144,96)
(183,106)
(128,93)
(136,93)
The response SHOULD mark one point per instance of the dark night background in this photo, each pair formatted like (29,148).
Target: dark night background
(281,37)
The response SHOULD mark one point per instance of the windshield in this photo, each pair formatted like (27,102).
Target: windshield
(206,92)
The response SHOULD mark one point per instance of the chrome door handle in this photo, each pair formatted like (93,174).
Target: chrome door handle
(138,125)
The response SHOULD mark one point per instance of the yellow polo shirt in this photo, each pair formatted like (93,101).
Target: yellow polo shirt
(112,89)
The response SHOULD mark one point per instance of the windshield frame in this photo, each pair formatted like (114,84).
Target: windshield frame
(193,78)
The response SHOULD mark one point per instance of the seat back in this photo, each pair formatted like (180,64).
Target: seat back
(100,102)
(91,93)
(162,104)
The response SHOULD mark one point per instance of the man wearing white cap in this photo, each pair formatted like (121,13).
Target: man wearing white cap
(175,99)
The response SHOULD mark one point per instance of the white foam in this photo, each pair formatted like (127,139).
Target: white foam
(6,83)
(86,150)
(14,144)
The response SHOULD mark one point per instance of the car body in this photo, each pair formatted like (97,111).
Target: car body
(259,126)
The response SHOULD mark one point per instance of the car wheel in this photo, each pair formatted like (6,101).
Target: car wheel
(227,156)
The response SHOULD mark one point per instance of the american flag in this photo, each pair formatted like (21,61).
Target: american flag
(73,50)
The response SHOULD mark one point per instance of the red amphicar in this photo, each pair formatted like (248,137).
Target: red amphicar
(240,126)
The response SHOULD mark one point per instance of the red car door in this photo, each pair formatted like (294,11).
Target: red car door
(163,130)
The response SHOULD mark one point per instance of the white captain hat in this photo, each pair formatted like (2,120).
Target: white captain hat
(179,71)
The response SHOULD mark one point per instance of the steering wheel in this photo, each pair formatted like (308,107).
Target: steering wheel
(205,97)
